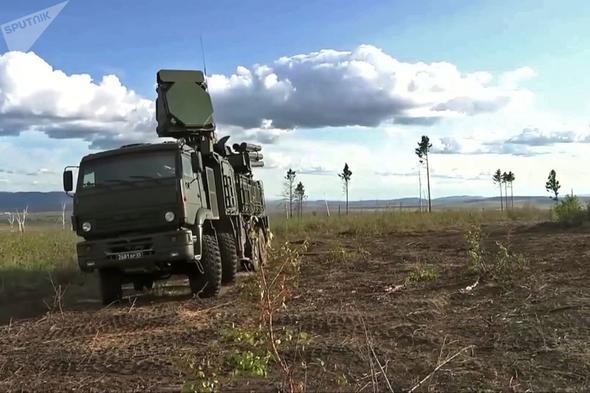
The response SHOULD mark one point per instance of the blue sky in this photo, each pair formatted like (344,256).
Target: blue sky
(541,108)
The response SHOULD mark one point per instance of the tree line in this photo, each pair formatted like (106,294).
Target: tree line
(296,194)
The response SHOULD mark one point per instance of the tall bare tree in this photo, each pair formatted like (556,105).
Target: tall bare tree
(497,178)
(21,218)
(422,151)
(11,218)
(552,185)
(288,191)
(345,176)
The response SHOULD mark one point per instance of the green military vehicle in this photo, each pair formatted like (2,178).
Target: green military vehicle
(189,205)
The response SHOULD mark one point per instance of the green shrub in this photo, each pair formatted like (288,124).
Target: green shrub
(248,363)
(499,264)
(569,211)
(475,250)
(507,261)
(422,273)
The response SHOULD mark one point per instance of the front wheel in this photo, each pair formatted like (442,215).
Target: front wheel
(205,275)
(110,285)
(143,284)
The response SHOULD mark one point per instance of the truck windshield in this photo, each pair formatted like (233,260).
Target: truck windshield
(126,169)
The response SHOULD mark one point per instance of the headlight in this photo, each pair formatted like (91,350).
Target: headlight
(86,226)
(169,216)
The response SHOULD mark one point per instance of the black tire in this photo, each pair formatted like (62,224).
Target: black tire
(229,256)
(143,284)
(138,285)
(208,282)
(252,253)
(257,251)
(110,286)
(262,247)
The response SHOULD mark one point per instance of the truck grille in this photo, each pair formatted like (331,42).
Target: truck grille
(144,245)
(127,222)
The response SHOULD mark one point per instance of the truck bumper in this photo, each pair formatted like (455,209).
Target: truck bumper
(141,254)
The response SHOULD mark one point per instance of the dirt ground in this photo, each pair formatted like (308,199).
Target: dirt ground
(526,332)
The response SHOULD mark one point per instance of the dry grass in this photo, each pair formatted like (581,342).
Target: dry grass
(379,223)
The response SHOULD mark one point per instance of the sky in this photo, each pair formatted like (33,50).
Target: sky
(494,84)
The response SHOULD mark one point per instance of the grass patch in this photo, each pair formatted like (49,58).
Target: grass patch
(33,266)
(422,273)
(28,260)
(46,250)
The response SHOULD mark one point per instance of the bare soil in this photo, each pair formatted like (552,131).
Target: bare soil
(528,332)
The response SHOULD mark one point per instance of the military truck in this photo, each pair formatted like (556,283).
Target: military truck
(188,205)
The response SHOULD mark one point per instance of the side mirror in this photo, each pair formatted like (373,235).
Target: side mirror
(197,162)
(68,180)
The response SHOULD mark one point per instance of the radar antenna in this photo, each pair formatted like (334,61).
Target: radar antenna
(203,56)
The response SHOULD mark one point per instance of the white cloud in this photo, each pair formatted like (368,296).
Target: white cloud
(512,79)
(365,87)
(34,96)
(265,103)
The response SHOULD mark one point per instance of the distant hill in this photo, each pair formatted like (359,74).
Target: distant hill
(450,202)
(36,201)
(52,201)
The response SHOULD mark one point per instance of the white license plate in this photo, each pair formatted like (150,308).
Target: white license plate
(124,256)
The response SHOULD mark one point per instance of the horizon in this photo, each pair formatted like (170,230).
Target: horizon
(356,84)
(353,200)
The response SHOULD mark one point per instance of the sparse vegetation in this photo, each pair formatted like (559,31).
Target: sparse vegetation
(349,316)
(395,221)
(498,264)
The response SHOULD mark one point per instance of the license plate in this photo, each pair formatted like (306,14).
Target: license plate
(124,256)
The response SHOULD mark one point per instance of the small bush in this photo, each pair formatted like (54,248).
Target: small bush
(422,273)
(507,261)
(475,250)
(570,211)
(499,264)
(248,363)
(250,337)
(201,373)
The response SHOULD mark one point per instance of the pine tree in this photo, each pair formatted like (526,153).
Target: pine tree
(422,151)
(345,176)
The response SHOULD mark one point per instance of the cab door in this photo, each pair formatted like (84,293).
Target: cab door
(192,189)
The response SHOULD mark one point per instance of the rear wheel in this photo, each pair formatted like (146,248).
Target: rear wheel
(207,283)
(110,285)
(229,256)
(257,251)
(262,247)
